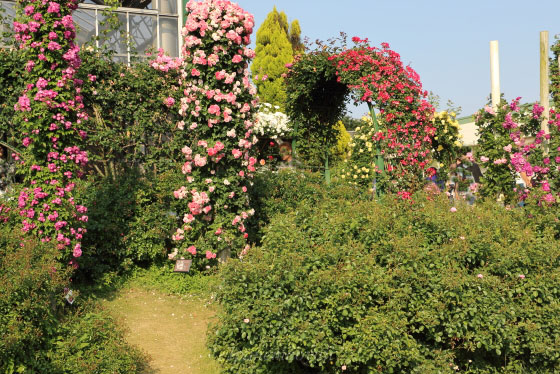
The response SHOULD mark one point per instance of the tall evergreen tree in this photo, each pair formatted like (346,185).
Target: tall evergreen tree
(277,42)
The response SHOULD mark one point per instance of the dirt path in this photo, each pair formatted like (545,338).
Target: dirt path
(171,329)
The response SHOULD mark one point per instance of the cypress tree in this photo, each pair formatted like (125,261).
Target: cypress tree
(274,49)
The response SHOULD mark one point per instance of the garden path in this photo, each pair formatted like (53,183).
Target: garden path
(171,329)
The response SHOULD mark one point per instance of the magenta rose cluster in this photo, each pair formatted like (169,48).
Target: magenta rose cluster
(216,118)
(512,144)
(50,116)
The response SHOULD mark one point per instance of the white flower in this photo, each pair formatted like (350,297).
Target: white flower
(271,124)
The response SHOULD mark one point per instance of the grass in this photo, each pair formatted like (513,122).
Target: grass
(167,315)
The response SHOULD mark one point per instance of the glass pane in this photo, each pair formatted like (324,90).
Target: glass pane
(139,4)
(143,32)
(7,14)
(168,6)
(85,23)
(169,35)
(120,58)
(113,38)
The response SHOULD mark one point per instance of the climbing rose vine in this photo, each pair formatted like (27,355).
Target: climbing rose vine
(216,119)
(49,116)
(377,76)
(511,144)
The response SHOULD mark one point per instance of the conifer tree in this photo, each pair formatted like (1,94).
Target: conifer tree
(277,42)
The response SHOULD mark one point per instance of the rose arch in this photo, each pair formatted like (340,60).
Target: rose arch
(321,82)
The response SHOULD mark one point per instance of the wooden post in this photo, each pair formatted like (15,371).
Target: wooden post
(545,92)
(495,74)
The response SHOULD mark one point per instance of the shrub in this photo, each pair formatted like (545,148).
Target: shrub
(91,341)
(31,296)
(39,331)
(131,220)
(275,193)
(392,287)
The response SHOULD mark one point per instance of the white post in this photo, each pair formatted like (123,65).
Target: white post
(545,103)
(495,74)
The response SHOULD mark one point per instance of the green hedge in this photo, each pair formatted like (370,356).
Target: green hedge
(393,287)
(39,331)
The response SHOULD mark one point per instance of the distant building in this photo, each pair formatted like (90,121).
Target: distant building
(468,131)
(149,23)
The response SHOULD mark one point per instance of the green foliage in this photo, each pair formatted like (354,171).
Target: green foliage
(295,37)
(131,124)
(11,83)
(359,167)
(315,101)
(274,49)
(275,193)
(39,331)
(351,123)
(130,221)
(342,141)
(393,287)
(31,298)
(90,340)
(446,142)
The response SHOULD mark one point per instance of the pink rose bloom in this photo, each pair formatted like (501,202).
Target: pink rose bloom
(237,59)
(549,198)
(453,209)
(188,218)
(199,160)
(236,153)
(220,75)
(507,148)
(169,102)
(484,159)
(218,231)
(192,250)
(219,146)
(187,168)
(521,276)
(77,250)
(53,8)
(480,276)
(214,109)
(500,161)
(210,255)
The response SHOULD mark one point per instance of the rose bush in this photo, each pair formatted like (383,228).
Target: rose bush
(353,286)
(49,117)
(320,82)
(512,143)
(377,76)
(216,119)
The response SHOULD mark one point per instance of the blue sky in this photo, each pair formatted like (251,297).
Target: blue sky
(445,41)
